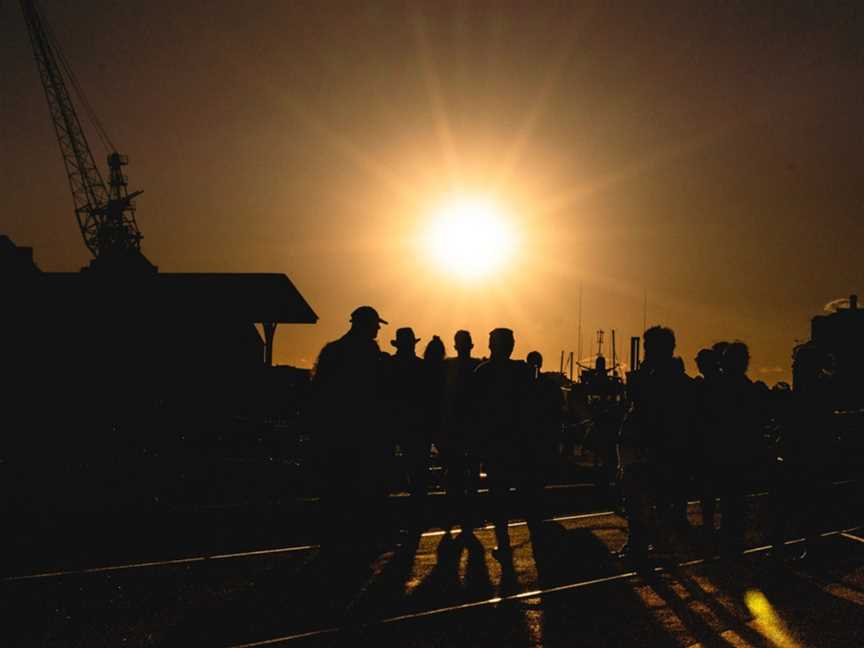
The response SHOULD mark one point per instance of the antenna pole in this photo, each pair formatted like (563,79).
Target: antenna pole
(579,329)
(645,312)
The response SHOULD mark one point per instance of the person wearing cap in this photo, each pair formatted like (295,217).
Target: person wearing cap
(347,382)
(461,468)
(500,387)
(405,392)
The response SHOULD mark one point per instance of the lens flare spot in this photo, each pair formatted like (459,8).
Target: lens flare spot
(470,237)
(767,621)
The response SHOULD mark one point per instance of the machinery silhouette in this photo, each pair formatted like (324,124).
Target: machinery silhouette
(105,213)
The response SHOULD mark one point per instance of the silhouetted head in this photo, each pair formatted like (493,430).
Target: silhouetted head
(600,366)
(501,343)
(405,340)
(366,322)
(707,362)
(535,362)
(434,351)
(659,343)
(463,344)
(719,348)
(736,359)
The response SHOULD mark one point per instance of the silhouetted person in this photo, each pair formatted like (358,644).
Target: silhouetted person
(347,387)
(435,351)
(707,362)
(534,359)
(501,387)
(704,386)
(461,467)
(737,448)
(539,436)
(803,476)
(407,391)
(604,417)
(434,369)
(718,348)
(654,440)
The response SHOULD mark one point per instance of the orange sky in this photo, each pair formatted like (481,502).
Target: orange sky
(707,155)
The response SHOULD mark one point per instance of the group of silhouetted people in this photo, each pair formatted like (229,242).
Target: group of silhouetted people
(374,408)
(679,436)
(714,436)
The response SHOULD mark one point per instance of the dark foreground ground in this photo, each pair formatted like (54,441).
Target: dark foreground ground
(565,588)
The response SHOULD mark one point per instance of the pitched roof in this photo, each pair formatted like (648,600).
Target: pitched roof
(253,297)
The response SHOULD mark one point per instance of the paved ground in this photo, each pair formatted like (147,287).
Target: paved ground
(565,588)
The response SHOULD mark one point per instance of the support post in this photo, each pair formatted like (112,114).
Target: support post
(634,353)
(269,335)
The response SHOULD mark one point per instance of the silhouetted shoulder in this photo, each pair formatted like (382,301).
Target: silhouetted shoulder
(329,348)
(470,363)
(346,353)
(515,370)
(327,357)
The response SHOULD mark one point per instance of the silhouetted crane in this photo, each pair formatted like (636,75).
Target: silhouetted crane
(106,214)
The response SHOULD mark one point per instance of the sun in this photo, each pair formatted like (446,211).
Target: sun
(470,237)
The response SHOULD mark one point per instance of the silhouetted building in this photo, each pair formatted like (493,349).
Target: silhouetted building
(834,356)
(164,328)
(102,360)
(15,260)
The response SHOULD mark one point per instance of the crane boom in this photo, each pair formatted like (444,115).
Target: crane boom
(105,214)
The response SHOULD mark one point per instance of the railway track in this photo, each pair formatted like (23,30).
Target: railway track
(289,549)
(853,534)
(257,553)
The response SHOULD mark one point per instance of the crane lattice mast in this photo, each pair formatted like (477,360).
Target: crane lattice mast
(105,214)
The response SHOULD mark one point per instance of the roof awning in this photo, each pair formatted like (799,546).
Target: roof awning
(255,298)
(251,297)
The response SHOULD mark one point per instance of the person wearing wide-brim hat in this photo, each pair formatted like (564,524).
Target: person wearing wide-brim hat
(407,397)
(404,339)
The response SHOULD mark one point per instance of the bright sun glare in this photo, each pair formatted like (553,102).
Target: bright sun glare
(470,237)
